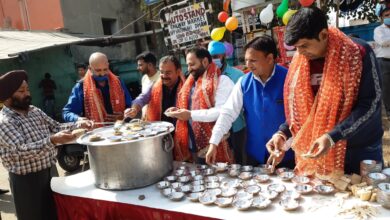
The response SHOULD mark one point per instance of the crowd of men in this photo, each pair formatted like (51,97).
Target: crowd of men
(322,116)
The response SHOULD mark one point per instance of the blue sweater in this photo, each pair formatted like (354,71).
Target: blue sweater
(234,74)
(264,112)
(75,106)
(363,127)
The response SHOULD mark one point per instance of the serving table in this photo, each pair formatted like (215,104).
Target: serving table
(77,198)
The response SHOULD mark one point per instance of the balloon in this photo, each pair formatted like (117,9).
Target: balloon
(282,8)
(267,14)
(216,48)
(306,3)
(253,11)
(287,47)
(226,4)
(228,49)
(217,33)
(231,23)
(287,16)
(223,16)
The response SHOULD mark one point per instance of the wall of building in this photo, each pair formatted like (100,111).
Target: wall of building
(85,17)
(32,14)
(58,62)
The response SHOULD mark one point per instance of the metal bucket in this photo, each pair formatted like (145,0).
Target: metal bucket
(130,164)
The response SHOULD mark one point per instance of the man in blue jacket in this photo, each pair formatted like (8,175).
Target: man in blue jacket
(260,94)
(237,138)
(100,96)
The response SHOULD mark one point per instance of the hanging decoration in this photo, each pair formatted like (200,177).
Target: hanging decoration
(306,3)
(231,23)
(287,16)
(223,16)
(267,14)
(228,49)
(217,33)
(282,8)
(253,11)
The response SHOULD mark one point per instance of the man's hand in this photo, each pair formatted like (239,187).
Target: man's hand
(211,154)
(114,117)
(132,112)
(319,147)
(86,124)
(62,137)
(275,159)
(181,114)
(275,145)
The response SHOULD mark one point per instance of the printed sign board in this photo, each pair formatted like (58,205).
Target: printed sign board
(187,24)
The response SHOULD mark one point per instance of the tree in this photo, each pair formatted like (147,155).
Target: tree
(361,9)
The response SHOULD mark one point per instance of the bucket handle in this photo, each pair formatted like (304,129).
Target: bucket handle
(168,143)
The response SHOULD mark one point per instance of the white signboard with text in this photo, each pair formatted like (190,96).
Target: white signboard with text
(188,24)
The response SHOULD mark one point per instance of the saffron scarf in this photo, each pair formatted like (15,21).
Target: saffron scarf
(203,97)
(154,111)
(310,116)
(93,98)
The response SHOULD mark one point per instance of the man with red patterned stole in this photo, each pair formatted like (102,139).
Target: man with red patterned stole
(332,97)
(203,93)
(161,95)
(100,96)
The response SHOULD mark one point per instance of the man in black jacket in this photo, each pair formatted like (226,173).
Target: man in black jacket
(356,135)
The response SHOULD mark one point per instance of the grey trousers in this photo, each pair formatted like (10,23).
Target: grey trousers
(384,64)
(32,195)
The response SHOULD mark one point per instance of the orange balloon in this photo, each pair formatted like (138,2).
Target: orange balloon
(231,23)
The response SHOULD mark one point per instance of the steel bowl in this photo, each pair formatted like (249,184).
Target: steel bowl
(261,202)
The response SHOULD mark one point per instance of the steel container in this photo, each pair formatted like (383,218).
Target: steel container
(129,164)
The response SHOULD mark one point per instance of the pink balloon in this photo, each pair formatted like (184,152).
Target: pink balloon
(228,49)
(288,47)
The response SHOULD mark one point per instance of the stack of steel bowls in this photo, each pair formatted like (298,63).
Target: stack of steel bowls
(369,166)
(383,196)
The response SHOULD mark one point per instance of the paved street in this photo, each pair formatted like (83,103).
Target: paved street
(7,208)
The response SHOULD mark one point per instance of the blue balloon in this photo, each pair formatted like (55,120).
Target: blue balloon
(216,47)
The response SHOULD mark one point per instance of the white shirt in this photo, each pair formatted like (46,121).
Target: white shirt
(224,88)
(382,41)
(230,110)
(147,81)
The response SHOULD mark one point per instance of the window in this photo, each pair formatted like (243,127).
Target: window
(109,26)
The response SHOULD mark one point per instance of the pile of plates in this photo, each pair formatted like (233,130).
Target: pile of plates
(243,190)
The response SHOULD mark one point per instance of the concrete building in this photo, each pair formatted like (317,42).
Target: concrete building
(92,18)
(114,27)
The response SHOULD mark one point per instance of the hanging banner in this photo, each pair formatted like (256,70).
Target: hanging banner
(187,24)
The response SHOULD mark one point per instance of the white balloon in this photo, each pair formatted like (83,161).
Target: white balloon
(267,14)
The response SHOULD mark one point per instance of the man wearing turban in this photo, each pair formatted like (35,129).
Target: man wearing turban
(28,140)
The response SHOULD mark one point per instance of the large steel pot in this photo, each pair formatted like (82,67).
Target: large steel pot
(129,164)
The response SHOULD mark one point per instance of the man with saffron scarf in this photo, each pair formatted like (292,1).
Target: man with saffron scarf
(161,95)
(332,99)
(200,98)
(100,96)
